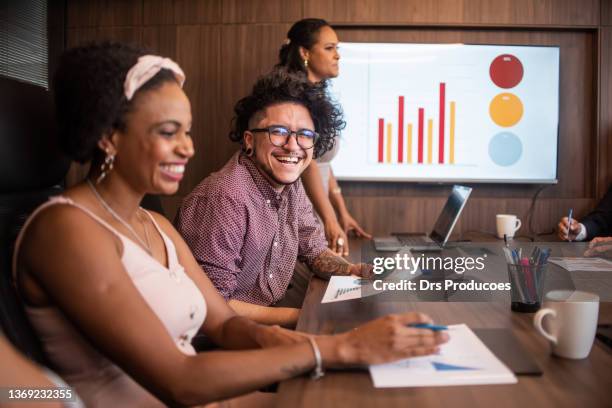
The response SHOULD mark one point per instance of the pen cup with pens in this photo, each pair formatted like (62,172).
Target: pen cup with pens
(526,274)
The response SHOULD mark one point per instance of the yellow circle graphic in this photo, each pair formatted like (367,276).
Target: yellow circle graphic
(506,109)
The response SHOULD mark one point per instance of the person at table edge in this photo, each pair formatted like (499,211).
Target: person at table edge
(249,223)
(597,224)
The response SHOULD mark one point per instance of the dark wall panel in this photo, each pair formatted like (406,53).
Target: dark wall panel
(468,12)
(224,45)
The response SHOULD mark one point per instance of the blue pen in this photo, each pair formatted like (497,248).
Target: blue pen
(515,257)
(569,224)
(432,327)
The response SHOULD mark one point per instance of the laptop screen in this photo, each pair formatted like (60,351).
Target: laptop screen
(450,214)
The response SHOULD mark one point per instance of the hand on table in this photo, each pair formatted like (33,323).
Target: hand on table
(336,238)
(574,230)
(388,339)
(363,270)
(349,224)
(599,246)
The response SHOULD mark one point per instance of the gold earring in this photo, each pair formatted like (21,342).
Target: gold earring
(106,167)
(305,63)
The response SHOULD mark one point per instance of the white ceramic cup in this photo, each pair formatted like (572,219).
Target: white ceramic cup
(507,224)
(568,319)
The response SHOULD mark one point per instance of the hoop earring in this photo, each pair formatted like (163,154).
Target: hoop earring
(305,63)
(248,151)
(106,167)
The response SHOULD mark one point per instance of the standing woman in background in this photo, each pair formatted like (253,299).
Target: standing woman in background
(311,47)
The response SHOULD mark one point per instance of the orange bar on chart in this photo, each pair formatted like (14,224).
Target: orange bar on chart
(451,142)
(409,145)
(389,138)
(429,140)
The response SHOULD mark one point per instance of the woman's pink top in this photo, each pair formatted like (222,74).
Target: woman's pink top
(169,292)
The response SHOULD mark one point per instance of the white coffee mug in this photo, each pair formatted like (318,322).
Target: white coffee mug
(568,319)
(507,225)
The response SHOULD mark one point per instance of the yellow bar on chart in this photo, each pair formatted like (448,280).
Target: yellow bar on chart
(389,137)
(451,143)
(409,144)
(429,140)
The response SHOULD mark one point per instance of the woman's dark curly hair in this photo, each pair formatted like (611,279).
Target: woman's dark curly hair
(89,98)
(305,34)
(282,86)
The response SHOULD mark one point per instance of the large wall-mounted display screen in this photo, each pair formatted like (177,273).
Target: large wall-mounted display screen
(448,112)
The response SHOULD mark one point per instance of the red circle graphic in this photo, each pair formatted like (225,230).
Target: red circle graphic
(506,71)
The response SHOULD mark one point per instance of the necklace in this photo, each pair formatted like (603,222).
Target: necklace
(145,245)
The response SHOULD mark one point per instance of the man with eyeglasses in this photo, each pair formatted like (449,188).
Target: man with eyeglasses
(249,223)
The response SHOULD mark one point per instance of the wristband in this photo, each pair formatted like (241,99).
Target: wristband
(318,370)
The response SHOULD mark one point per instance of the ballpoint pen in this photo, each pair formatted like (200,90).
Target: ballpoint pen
(531,295)
(569,224)
(433,327)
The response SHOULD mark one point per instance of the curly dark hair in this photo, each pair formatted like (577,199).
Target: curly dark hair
(281,86)
(89,96)
(303,33)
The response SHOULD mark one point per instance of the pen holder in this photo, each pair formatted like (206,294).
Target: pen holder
(527,284)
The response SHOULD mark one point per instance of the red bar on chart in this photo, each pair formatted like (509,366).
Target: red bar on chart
(441,127)
(420,147)
(400,131)
(381,138)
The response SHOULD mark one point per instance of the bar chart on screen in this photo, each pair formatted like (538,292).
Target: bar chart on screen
(448,112)
(418,135)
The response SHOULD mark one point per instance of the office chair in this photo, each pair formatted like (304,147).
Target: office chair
(31,170)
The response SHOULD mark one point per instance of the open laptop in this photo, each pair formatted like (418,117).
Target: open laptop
(441,232)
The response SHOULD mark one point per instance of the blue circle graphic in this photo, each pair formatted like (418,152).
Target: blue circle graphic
(505,149)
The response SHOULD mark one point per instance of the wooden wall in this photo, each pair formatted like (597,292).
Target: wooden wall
(224,45)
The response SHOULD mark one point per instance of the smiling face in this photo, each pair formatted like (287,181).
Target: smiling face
(153,150)
(280,165)
(323,57)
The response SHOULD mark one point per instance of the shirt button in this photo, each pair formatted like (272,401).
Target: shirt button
(267,201)
(278,197)
(271,275)
(275,243)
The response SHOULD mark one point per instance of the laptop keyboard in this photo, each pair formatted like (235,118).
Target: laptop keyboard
(416,240)
(395,243)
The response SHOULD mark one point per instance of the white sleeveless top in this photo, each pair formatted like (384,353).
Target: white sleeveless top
(324,163)
(169,292)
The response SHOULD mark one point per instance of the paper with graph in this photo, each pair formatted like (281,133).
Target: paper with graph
(342,288)
(464,360)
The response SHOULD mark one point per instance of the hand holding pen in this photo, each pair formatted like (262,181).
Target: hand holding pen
(568,227)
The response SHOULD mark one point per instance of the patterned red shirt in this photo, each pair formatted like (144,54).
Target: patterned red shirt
(245,235)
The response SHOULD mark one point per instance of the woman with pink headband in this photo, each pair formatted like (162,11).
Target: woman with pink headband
(113,291)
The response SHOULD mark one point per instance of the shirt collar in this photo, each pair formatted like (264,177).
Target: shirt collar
(263,185)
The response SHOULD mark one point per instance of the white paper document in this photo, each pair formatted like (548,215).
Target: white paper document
(464,360)
(343,288)
(573,264)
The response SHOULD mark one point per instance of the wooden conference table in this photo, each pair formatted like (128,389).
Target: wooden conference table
(564,383)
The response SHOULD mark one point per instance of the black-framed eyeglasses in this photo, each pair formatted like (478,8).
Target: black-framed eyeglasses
(279,136)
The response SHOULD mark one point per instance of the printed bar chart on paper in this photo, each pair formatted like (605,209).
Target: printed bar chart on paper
(464,360)
(448,112)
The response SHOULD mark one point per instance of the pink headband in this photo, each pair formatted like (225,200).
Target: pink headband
(146,68)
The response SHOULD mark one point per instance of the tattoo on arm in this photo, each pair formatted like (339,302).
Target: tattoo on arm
(328,264)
